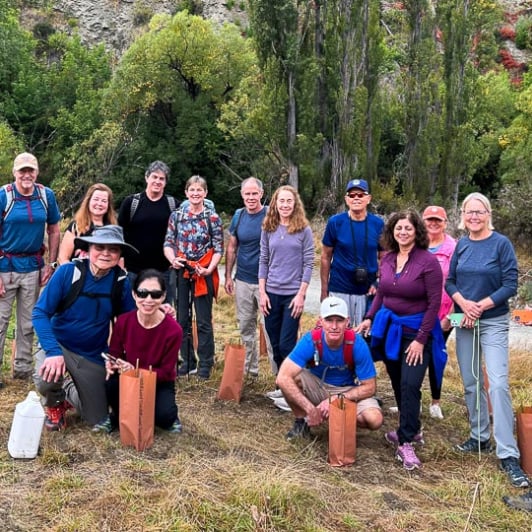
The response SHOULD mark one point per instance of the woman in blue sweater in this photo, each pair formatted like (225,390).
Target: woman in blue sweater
(482,277)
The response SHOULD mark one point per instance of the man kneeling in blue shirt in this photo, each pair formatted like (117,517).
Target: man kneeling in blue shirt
(321,367)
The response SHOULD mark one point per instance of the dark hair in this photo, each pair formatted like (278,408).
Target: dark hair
(388,241)
(158,165)
(150,273)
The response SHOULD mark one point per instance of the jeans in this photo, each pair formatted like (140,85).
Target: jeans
(494,347)
(247,312)
(203,313)
(356,306)
(406,383)
(24,288)
(281,327)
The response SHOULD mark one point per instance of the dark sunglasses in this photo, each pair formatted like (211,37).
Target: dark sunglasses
(155,294)
(356,194)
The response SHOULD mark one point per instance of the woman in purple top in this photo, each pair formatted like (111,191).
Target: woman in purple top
(152,338)
(405,322)
(285,268)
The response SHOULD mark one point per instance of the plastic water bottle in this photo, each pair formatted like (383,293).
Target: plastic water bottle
(27,427)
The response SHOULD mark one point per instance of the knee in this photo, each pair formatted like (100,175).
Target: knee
(371,419)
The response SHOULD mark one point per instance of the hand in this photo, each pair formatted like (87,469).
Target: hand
(120,365)
(201,271)
(445,324)
(297,305)
(46,273)
(53,368)
(2,288)
(472,309)
(168,309)
(264,303)
(414,353)
(363,327)
(315,416)
(229,286)
(178,263)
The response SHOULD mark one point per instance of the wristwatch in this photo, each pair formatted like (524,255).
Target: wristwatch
(53,265)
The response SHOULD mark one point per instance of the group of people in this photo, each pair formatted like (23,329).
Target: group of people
(396,281)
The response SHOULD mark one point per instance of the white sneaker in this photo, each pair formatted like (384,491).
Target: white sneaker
(393,410)
(276,394)
(281,404)
(435,412)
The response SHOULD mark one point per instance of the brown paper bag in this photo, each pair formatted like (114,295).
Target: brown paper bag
(195,335)
(137,408)
(233,375)
(524,437)
(263,346)
(342,432)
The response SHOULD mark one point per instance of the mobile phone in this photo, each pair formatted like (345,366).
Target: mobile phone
(456,319)
(109,358)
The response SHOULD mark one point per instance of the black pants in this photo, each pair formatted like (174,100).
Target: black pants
(406,383)
(165,405)
(435,389)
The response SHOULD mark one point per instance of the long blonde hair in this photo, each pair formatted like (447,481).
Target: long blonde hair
(83,216)
(298,219)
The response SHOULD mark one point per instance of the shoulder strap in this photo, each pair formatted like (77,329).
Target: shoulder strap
(41,191)
(78,278)
(134,205)
(171,202)
(239,212)
(10,198)
(348,351)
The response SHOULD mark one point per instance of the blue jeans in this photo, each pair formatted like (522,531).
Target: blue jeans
(281,327)
(494,348)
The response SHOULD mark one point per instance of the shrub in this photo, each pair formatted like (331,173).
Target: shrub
(523,33)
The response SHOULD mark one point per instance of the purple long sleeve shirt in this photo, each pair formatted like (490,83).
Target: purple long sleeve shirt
(417,289)
(286,260)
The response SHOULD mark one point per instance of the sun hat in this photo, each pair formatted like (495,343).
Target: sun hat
(107,234)
(435,212)
(333,306)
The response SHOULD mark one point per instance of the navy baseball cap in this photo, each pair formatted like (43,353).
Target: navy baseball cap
(362,184)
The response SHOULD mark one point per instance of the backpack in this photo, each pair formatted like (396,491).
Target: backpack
(348,343)
(78,278)
(207,212)
(136,200)
(10,198)
(239,213)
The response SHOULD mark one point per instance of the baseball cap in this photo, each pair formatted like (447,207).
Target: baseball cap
(362,184)
(435,212)
(333,306)
(25,160)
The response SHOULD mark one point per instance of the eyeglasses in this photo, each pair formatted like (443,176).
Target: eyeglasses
(358,195)
(143,293)
(475,213)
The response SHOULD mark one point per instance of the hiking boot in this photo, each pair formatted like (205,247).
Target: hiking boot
(406,454)
(471,446)
(55,416)
(391,437)
(176,427)
(516,475)
(276,394)
(299,430)
(523,502)
(435,412)
(105,425)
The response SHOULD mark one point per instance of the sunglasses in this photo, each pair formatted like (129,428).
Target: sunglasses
(143,293)
(356,194)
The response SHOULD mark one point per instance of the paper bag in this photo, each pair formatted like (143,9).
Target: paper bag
(263,346)
(137,408)
(342,432)
(233,375)
(524,437)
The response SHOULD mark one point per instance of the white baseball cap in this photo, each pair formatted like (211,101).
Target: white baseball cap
(333,306)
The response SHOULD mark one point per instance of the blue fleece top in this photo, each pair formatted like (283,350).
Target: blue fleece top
(332,365)
(83,328)
(484,268)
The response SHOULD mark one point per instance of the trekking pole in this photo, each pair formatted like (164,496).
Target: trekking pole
(478,369)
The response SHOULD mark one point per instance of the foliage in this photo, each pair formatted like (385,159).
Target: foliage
(523,33)
(10,145)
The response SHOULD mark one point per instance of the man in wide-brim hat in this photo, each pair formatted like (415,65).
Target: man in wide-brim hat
(72,318)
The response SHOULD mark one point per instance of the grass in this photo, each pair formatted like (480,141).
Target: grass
(232,469)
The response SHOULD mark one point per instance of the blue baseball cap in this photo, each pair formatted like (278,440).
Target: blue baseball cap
(362,184)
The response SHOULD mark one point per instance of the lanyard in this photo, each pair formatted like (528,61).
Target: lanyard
(363,259)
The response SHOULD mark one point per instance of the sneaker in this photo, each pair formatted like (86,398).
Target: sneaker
(391,437)
(435,411)
(281,404)
(184,372)
(523,502)
(393,410)
(55,416)
(299,430)
(405,453)
(276,394)
(176,427)
(516,475)
(105,425)
(471,446)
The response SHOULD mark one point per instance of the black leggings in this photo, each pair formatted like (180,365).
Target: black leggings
(435,390)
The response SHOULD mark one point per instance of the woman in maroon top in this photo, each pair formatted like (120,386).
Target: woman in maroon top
(153,338)
(404,323)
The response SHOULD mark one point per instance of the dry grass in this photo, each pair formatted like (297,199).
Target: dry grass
(233,470)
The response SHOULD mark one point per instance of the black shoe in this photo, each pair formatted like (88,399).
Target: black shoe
(516,475)
(471,446)
(523,502)
(299,430)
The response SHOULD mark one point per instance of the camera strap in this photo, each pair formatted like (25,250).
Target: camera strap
(363,259)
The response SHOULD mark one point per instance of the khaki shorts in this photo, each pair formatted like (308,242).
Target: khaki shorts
(316,391)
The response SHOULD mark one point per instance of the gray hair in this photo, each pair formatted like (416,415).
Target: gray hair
(485,202)
(252,179)
(158,166)
(196,180)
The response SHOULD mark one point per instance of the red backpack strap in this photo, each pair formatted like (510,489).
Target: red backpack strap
(349,353)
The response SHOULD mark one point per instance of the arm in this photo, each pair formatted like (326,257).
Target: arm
(264,300)
(54,235)
(325,270)
(298,303)
(67,247)
(230,258)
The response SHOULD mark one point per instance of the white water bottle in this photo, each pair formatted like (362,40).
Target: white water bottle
(27,427)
